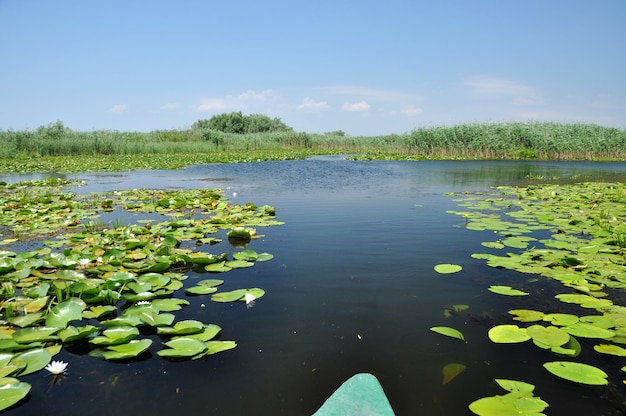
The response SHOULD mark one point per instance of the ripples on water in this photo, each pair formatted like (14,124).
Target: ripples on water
(351,289)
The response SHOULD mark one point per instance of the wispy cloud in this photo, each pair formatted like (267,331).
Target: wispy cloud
(311,104)
(170,106)
(520,94)
(412,111)
(118,108)
(360,106)
(239,102)
(366,92)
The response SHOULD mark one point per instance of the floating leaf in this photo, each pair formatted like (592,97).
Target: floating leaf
(584,330)
(125,351)
(577,372)
(185,327)
(35,360)
(526,315)
(35,334)
(508,334)
(450,371)
(610,349)
(213,347)
(446,268)
(200,290)
(506,290)
(447,331)
(64,312)
(12,391)
(561,319)
(550,336)
(183,347)
(519,401)
(116,335)
(231,296)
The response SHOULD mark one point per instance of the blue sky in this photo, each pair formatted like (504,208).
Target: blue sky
(365,67)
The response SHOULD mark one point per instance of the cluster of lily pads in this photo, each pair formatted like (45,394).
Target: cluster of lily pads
(108,286)
(584,249)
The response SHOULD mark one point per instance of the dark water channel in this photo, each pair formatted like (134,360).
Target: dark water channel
(351,289)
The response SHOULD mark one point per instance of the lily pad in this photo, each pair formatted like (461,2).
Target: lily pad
(213,347)
(183,347)
(447,331)
(577,372)
(231,296)
(12,391)
(507,291)
(551,335)
(125,351)
(116,335)
(447,268)
(35,360)
(450,371)
(508,334)
(610,349)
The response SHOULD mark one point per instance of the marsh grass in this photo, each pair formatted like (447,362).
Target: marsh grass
(544,141)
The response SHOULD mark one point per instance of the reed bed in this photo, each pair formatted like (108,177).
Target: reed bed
(546,141)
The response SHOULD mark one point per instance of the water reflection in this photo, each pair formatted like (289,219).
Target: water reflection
(351,289)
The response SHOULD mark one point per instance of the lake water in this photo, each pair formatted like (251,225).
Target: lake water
(351,289)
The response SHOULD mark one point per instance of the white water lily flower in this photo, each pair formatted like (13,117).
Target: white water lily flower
(142,302)
(84,261)
(249,299)
(57,367)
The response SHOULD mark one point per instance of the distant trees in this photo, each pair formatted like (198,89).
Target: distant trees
(238,123)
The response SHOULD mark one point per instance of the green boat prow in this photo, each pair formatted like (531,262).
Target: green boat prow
(360,395)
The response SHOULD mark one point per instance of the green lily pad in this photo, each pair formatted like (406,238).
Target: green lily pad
(213,347)
(610,349)
(200,290)
(231,296)
(577,372)
(507,291)
(34,334)
(183,347)
(447,331)
(116,335)
(186,327)
(217,267)
(35,360)
(508,334)
(519,401)
(446,268)
(12,391)
(527,315)
(451,371)
(561,319)
(72,333)
(551,335)
(65,312)
(125,351)
(584,330)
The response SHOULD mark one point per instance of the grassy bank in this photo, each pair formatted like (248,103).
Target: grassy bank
(44,148)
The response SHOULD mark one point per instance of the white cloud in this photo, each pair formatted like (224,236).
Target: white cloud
(487,86)
(213,104)
(412,111)
(360,106)
(372,93)
(253,95)
(118,108)
(310,104)
(239,102)
(170,106)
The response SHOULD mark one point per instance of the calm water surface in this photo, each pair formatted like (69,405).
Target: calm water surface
(351,289)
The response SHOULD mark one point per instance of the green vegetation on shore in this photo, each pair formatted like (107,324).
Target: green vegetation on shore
(47,147)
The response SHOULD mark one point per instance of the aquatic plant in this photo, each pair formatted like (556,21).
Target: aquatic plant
(580,247)
(111,289)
